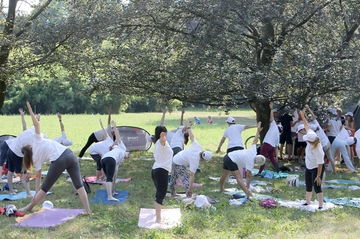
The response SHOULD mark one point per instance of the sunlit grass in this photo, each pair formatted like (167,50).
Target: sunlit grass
(120,221)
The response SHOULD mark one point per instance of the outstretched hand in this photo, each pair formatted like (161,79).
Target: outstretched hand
(59,115)
(21,111)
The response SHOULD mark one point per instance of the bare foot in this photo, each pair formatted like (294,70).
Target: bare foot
(12,193)
(175,195)
(24,209)
(115,193)
(158,220)
(29,195)
(112,199)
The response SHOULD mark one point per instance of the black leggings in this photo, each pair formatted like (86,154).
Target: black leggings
(91,139)
(97,159)
(108,164)
(160,177)
(67,161)
(310,175)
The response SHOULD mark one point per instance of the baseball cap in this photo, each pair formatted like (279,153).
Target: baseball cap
(351,141)
(300,127)
(207,155)
(275,110)
(310,136)
(260,159)
(287,108)
(230,120)
(313,127)
(350,114)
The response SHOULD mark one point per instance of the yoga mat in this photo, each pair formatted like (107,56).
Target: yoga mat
(343,181)
(101,197)
(232,180)
(48,218)
(170,218)
(195,185)
(181,196)
(312,207)
(352,202)
(92,180)
(17,196)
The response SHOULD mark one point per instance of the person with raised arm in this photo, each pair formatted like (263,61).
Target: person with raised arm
(189,157)
(110,162)
(63,138)
(325,142)
(270,142)
(314,161)
(163,155)
(98,135)
(60,157)
(99,149)
(245,158)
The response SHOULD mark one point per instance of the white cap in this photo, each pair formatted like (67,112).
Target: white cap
(350,141)
(300,127)
(310,136)
(260,159)
(48,205)
(230,120)
(313,127)
(207,155)
(350,114)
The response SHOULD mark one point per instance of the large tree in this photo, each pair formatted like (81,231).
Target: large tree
(233,52)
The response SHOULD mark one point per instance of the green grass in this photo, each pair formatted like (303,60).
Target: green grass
(120,221)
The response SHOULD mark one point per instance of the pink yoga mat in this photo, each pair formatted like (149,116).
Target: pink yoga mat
(49,218)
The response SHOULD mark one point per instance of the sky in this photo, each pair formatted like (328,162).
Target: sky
(22,5)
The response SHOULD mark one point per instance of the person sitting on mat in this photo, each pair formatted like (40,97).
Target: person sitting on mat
(189,157)
(99,149)
(245,158)
(110,163)
(62,139)
(62,158)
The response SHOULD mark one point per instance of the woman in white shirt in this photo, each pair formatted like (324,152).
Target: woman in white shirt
(60,157)
(314,161)
(160,171)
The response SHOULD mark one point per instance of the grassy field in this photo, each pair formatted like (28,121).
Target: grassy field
(120,221)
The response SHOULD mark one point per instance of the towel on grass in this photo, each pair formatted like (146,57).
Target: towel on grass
(170,218)
(101,197)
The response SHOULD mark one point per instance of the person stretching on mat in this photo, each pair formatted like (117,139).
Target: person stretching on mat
(110,163)
(61,158)
(99,149)
(314,161)
(189,157)
(245,158)
(97,136)
(163,155)
(62,139)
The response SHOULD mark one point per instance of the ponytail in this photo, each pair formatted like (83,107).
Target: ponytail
(28,156)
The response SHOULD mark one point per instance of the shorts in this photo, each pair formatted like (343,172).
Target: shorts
(286,137)
(14,163)
(228,164)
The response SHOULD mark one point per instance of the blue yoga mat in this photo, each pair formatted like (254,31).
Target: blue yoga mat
(17,196)
(343,181)
(101,197)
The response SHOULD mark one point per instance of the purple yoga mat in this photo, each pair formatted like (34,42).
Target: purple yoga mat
(50,218)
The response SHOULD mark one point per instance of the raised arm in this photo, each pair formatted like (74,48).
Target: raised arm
(104,130)
(33,118)
(162,120)
(191,135)
(117,134)
(311,112)
(182,116)
(271,105)
(60,120)
(21,111)
(259,129)
(306,125)
(109,115)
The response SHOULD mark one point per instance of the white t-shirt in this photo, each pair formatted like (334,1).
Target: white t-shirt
(233,133)
(102,147)
(244,158)
(9,141)
(177,140)
(334,128)
(117,153)
(61,138)
(163,156)
(272,135)
(25,138)
(45,150)
(189,157)
(321,134)
(100,136)
(313,157)
(343,135)
(357,136)
(170,134)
